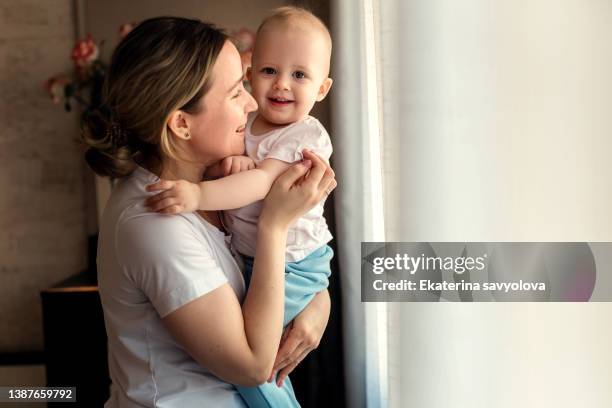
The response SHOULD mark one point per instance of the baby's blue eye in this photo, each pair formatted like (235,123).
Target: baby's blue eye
(299,75)
(268,71)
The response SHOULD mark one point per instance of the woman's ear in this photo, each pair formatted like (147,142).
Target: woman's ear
(324,89)
(178,125)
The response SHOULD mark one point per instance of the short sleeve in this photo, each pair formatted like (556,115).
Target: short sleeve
(308,134)
(165,257)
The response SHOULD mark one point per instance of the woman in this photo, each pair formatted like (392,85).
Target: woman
(170,288)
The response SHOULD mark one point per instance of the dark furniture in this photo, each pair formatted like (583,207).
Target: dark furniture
(75,340)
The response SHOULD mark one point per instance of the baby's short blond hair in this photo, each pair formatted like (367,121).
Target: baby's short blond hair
(296,16)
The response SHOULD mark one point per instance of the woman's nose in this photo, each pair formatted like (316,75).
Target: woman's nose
(251,103)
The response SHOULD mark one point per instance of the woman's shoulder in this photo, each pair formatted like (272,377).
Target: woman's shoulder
(126,210)
(154,235)
(140,233)
(135,225)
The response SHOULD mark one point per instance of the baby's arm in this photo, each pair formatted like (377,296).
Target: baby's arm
(229,165)
(234,191)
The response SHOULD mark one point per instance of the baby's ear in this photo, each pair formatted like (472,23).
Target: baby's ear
(324,89)
(248,73)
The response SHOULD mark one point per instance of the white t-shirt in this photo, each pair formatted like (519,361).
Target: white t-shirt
(148,266)
(310,231)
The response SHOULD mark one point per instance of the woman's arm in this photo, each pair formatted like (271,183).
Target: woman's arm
(240,346)
(302,336)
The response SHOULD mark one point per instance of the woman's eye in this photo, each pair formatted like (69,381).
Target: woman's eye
(268,71)
(237,94)
(299,75)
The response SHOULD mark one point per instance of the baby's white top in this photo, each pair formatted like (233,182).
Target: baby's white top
(148,266)
(310,231)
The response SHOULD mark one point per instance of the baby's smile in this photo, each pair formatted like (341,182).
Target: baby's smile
(279,101)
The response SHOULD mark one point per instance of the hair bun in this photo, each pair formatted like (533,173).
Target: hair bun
(109,152)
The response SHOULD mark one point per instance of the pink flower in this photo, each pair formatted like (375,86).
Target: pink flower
(244,39)
(55,87)
(85,52)
(125,29)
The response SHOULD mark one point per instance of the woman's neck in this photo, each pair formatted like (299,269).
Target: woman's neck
(174,170)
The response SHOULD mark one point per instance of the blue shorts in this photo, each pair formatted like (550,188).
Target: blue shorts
(303,280)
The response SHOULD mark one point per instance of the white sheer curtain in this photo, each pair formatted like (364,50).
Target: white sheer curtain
(493,125)
(359,195)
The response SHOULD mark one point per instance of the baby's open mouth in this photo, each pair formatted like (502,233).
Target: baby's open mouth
(280,101)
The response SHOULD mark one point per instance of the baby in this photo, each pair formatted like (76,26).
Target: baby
(290,72)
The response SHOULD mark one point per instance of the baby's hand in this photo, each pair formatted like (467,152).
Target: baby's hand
(236,164)
(178,196)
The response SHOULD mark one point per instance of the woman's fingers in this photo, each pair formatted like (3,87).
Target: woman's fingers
(298,342)
(286,332)
(318,167)
(289,177)
(290,359)
(328,182)
(331,186)
(288,347)
(295,354)
(321,176)
(296,191)
(289,368)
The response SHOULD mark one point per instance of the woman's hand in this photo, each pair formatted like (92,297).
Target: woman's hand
(297,190)
(301,336)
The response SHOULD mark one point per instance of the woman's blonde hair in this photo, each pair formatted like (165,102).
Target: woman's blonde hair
(163,65)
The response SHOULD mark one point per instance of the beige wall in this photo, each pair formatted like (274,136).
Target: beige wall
(42,205)
(103,18)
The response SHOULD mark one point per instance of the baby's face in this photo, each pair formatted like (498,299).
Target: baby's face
(289,73)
